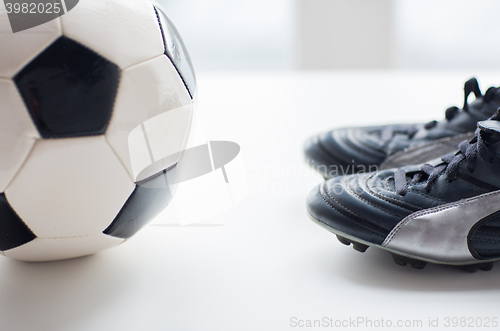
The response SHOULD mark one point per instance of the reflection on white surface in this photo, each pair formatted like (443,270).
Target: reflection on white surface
(201,198)
(198,200)
(270,262)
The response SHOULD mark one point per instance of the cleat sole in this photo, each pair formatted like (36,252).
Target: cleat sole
(475,267)
(403,261)
(343,240)
(357,246)
(400,258)
(360,247)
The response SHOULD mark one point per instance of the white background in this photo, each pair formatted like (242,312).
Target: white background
(235,35)
(269,262)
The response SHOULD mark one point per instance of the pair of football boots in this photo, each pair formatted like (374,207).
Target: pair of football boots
(409,190)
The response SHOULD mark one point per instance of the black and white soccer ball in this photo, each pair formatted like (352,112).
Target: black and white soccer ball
(94,109)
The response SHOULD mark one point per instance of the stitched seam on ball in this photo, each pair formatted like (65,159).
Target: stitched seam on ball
(158,174)
(69,237)
(161,29)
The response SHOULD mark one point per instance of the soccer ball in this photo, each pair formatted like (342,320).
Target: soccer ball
(95,107)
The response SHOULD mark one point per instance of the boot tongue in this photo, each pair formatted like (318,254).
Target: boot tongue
(490,132)
(490,126)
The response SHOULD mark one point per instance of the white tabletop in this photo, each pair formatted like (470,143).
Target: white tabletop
(268,263)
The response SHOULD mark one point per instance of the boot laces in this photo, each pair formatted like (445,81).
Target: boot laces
(468,153)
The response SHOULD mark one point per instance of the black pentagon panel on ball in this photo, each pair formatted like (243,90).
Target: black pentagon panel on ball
(149,198)
(177,52)
(69,90)
(13,231)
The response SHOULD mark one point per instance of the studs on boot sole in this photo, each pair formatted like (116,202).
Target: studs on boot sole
(475,267)
(343,240)
(414,263)
(357,246)
(403,261)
